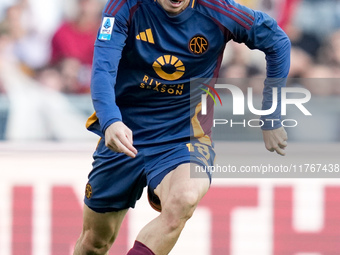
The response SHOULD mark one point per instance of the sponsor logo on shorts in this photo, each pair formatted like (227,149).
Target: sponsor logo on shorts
(88,191)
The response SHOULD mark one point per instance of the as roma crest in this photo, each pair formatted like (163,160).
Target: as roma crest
(198,44)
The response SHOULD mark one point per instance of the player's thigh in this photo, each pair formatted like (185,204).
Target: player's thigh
(179,186)
(101,227)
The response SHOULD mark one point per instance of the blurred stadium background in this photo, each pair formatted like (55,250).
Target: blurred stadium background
(45,151)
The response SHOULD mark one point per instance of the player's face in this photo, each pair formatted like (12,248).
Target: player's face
(174,7)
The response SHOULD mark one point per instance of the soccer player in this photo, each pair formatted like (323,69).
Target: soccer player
(146,53)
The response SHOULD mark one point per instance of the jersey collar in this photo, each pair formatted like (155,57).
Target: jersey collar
(184,15)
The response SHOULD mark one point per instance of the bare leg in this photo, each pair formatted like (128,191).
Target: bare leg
(99,232)
(179,195)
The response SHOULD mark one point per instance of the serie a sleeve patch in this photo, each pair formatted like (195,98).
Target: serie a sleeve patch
(106,28)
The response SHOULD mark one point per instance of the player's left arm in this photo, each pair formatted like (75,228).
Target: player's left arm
(276,45)
(264,34)
(259,31)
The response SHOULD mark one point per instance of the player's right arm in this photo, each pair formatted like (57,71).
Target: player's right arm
(107,54)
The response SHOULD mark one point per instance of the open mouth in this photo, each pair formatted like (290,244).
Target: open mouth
(176,3)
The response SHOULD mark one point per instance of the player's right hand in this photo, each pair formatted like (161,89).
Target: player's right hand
(118,137)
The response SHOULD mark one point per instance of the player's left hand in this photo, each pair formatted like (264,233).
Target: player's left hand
(275,140)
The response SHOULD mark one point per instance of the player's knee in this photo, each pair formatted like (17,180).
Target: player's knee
(183,204)
(179,209)
(188,200)
(93,245)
